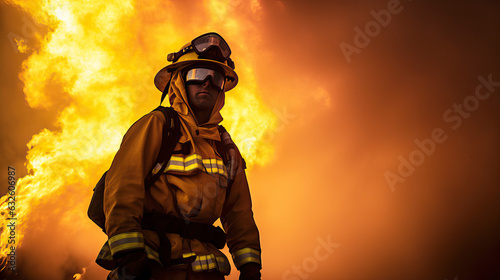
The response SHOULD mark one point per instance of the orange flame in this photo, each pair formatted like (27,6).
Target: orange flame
(95,67)
(79,276)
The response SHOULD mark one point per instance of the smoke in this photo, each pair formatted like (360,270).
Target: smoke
(341,127)
(328,177)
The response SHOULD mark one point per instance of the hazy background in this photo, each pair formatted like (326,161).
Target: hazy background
(341,127)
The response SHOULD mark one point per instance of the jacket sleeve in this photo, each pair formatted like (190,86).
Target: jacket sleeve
(237,219)
(124,192)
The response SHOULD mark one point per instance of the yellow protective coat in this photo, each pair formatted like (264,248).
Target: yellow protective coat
(198,181)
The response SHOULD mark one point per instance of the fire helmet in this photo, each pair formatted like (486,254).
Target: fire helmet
(209,49)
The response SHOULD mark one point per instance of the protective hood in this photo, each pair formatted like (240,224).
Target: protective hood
(178,100)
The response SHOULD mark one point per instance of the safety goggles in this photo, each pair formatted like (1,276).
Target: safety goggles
(209,45)
(207,41)
(200,75)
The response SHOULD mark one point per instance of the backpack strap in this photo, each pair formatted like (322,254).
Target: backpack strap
(219,145)
(227,149)
(171,135)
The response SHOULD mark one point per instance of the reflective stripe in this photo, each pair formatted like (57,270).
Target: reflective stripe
(152,254)
(204,263)
(105,258)
(215,166)
(193,162)
(209,262)
(157,168)
(246,255)
(126,241)
(187,255)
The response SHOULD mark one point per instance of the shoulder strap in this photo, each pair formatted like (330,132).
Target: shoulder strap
(171,135)
(226,149)
(219,145)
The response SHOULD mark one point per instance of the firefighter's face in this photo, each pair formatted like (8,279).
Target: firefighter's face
(202,96)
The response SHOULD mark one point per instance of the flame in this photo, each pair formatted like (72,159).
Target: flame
(21,45)
(95,66)
(79,276)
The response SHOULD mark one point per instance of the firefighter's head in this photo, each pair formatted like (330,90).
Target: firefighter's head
(206,70)
(209,49)
(203,84)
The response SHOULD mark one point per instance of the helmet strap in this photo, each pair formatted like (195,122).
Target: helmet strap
(165,91)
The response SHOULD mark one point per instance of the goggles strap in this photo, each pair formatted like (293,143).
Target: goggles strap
(175,56)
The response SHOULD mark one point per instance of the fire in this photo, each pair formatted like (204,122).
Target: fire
(79,276)
(96,66)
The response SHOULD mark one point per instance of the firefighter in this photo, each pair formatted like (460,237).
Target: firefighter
(196,189)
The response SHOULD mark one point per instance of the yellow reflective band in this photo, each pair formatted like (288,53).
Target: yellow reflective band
(246,250)
(157,168)
(127,246)
(246,255)
(152,254)
(187,255)
(194,162)
(204,263)
(134,234)
(209,263)
(126,241)
(214,166)
(248,259)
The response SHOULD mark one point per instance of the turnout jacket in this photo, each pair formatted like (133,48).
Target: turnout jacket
(197,182)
